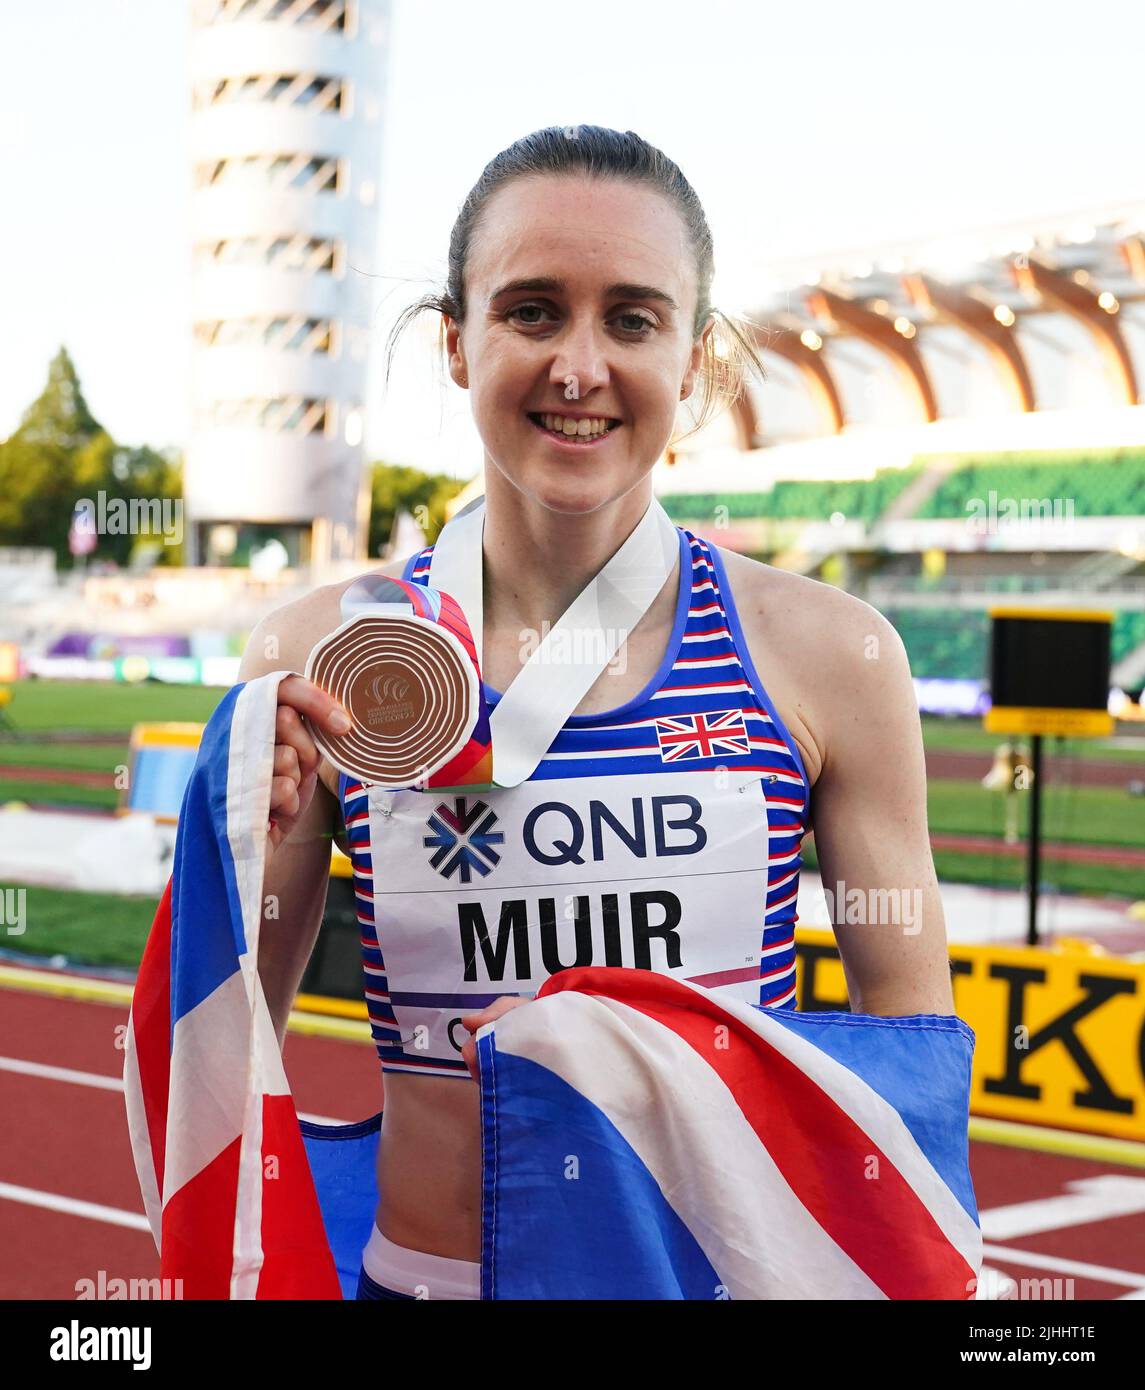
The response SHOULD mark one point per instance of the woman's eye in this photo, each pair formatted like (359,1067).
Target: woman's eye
(538,309)
(632,324)
(635,323)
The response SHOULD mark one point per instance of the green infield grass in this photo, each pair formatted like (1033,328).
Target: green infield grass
(52,717)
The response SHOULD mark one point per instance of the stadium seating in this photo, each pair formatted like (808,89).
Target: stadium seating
(1105,483)
(955,642)
(860,500)
(1111,483)
(944,642)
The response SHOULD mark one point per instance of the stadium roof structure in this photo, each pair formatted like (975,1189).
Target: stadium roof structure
(1003,324)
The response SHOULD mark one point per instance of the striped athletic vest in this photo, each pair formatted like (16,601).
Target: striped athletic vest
(663,834)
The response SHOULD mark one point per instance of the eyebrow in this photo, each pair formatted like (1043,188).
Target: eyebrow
(549,285)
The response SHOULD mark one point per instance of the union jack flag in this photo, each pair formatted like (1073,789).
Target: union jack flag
(801,1156)
(208,1101)
(702,735)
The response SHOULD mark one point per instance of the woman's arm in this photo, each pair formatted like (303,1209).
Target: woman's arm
(294,891)
(871,833)
(297,872)
(839,675)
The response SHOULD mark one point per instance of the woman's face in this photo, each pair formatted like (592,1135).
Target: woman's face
(580,300)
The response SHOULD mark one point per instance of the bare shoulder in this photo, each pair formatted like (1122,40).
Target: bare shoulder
(803,605)
(282,640)
(823,654)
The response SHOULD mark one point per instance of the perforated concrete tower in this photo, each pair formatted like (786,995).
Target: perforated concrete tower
(286,154)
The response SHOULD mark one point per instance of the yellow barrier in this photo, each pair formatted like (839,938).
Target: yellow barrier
(1060,1033)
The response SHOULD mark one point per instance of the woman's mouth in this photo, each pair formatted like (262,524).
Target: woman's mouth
(574,432)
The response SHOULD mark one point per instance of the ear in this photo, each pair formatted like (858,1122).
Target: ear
(455,351)
(695,360)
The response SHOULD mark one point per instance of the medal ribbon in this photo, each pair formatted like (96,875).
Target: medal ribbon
(406,663)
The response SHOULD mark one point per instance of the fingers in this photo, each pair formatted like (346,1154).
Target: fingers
(296,756)
(288,763)
(291,734)
(473,1022)
(297,693)
(284,802)
(492,1011)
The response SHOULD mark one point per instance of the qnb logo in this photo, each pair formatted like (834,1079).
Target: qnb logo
(463,839)
(384,688)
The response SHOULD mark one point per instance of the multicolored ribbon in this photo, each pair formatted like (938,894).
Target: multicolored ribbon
(404,665)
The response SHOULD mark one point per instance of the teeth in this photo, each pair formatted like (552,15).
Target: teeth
(562,424)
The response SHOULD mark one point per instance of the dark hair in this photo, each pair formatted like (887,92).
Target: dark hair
(729,353)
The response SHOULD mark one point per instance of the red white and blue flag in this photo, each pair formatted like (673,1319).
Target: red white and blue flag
(642,1137)
(216,1140)
(702,736)
(671,1144)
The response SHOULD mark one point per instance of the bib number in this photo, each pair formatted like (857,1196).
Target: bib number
(486,895)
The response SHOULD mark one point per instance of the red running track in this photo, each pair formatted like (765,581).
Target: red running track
(66,1141)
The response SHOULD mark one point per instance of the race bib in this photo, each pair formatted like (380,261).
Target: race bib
(483,895)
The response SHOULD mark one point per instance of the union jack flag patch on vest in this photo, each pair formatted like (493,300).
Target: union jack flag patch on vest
(702,735)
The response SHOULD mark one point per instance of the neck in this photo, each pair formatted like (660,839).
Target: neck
(537,561)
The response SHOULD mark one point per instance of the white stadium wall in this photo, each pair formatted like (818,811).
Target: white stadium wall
(287,103)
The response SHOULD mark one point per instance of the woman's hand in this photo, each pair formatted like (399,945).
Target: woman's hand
(296,755)
(472,1022)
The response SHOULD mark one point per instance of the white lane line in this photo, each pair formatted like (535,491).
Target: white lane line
(93,1211)
(49,1073)
(1084,1201)
(1003,1254)
(104,1083)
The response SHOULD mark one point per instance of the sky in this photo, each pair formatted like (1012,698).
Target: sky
(805,131)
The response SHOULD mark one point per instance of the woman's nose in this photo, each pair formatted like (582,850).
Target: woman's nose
(580,363)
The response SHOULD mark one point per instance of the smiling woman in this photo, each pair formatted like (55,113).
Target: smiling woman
(596,323)
(577,315)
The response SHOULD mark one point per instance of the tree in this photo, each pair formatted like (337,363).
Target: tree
(59,455)
(138,484)
(396,487)
(36,494)
(59,415)
(37,475)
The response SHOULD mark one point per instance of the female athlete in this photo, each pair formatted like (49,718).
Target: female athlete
(577,315)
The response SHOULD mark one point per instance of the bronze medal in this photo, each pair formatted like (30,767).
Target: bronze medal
(410,688)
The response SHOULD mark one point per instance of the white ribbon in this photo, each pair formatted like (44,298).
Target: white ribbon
(560,671)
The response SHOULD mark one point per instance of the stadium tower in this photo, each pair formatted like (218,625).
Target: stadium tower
(286,152)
